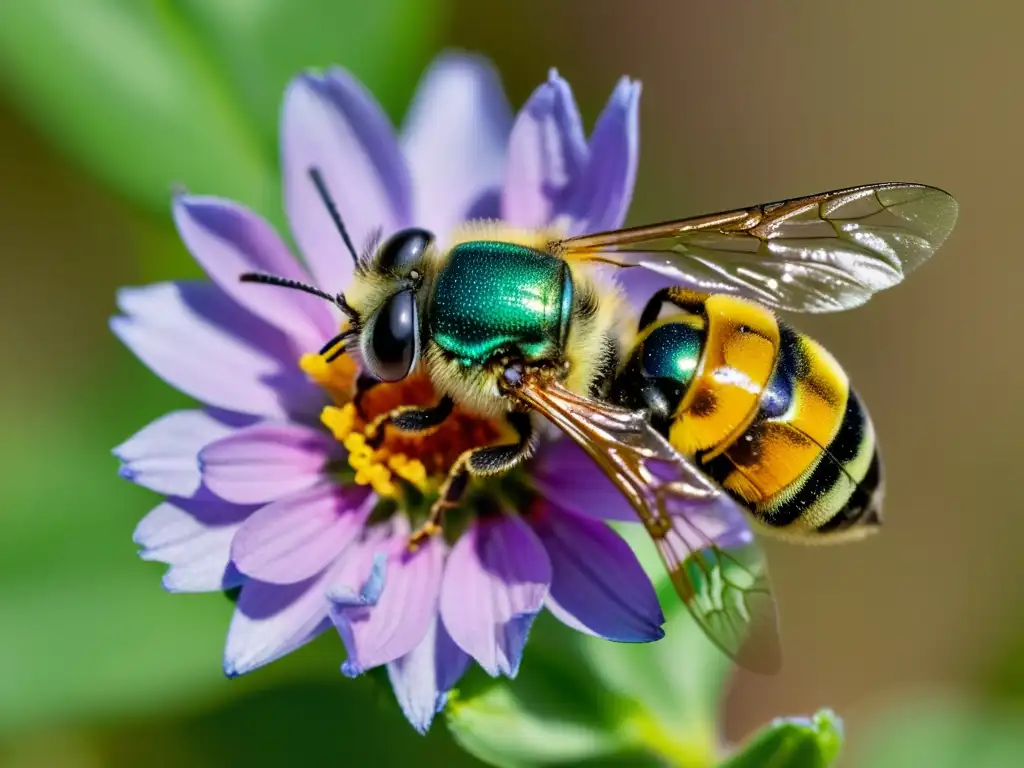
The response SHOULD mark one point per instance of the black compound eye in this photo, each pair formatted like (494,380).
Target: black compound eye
(404,250)
(391,341)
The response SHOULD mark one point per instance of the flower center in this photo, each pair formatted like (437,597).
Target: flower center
(388,456)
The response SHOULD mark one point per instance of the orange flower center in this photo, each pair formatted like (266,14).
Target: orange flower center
(388,455)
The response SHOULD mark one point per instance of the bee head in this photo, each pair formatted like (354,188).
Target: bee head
(390,339)
(385,320)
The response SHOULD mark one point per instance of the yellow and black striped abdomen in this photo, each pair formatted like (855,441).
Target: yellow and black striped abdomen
(765,411)
(807,465)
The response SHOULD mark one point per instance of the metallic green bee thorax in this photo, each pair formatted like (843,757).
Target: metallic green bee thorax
(492,298)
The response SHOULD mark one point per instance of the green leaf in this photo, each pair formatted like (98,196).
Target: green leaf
(554,713)
(146,94)
(515,726)
(792,743)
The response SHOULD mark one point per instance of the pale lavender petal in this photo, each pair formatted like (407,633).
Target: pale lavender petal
(597,584)
(487,205)
(601,196)
(266,462)
(454,139)
(228,240)
(199,341)
(163,455)
(564,474)
(296,537)
(495,583)
(272,620)
(332,123)
(696,525)
(176,302)
(423,677)
(399,620)
(698,522)
(547,154)
(194,538)
(640,284)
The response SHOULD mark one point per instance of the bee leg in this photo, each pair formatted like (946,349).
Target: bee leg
(409,418)
(364,384)
(487,460)
(689,301)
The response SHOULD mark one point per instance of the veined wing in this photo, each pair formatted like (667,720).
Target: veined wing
(715,564)
(823,253)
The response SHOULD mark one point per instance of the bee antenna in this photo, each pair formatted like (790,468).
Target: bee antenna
(332,209)
(284,282)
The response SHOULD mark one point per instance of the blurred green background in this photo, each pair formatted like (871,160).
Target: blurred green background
(915,638)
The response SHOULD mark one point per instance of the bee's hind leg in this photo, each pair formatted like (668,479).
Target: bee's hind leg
(487,460)
(409,418)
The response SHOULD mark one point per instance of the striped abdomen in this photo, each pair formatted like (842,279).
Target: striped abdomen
(764,410)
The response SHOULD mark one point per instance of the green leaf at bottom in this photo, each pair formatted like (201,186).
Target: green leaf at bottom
(792,742)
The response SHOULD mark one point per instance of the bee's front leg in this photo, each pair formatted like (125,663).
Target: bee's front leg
(487,460)
(409,418)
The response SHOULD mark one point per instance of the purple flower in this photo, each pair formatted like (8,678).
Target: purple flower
(271,487)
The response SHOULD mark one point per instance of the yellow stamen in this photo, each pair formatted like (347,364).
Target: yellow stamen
(410,470)
(341,421)
(337,376)
(377,476)
(381,467)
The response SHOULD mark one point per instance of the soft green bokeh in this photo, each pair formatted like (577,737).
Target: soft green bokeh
(151,93)
(942,730)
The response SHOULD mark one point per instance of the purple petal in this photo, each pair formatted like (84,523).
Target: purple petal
(696,521)
(423,677)
(640,284)
(272,620)
(197,340)
(547,154)
(400,618)
(602,194)
(194,538)
(454,139)
(696,524)
(565,475)
(266,462)
(163,455)
(228,240)
(332,123)
(597,584)
(495,582)
(297,537)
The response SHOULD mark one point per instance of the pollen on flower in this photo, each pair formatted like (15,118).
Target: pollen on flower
(410,470)
(340,420)
(421,459)
(337,376)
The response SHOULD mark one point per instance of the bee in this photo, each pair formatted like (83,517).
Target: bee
(709,411)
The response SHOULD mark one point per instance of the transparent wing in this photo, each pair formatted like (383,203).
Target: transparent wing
(823,253)
(713,561)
